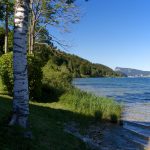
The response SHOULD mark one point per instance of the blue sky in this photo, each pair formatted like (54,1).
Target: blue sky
(113,33)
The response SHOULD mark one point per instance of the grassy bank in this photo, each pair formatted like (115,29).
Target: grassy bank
(47,121)
(101,108)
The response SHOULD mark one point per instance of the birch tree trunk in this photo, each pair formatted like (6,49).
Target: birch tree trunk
(21,93)
(6,28)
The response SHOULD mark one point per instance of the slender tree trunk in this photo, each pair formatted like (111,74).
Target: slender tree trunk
(30,23)
(31,29)
(32,37)
(29,40)
(6,28)
(21,93)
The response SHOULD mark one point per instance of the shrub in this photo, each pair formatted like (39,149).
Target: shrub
(56,80)
(6,72)
(34,73)
(35,76)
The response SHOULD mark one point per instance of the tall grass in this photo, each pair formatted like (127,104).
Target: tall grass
(101,108)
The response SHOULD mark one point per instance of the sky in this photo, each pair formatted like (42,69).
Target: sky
(115,33)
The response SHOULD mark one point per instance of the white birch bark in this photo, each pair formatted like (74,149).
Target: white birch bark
(21,93)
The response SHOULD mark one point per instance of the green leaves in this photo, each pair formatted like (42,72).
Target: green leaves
(10,4)
(34,72)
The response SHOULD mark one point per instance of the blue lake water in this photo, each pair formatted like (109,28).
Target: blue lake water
(133,92)
(128,90)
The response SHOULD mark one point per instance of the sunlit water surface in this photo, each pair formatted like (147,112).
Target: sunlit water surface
(134,93)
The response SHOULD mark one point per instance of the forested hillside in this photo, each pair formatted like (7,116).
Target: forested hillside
(75,65)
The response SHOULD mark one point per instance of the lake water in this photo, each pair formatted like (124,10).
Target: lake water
(134,93)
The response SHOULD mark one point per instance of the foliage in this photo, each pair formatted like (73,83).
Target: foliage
(58,70)
(88,104)
(43,53)
(35,74)
(54,13)
(3,4)
(43,36)
(2,11)
(2,88)
(6,72)
(46,13)
(56,80)
(2,39)
(10,41)
(35,77)
(77,66)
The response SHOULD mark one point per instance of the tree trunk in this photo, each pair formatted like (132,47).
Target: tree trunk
(29,32)
(32,37)
(6,28)
(21,93)
(31,29)
(29,40)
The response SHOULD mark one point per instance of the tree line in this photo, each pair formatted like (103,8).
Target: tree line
(30,21)
(76,66)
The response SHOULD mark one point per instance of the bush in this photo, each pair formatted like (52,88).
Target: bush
(34,73)
(6,72)
(35,76)
(56,80)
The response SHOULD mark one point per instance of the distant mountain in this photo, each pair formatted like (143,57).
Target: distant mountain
(132,72)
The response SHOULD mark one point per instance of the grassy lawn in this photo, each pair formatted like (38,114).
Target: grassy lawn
(47,125)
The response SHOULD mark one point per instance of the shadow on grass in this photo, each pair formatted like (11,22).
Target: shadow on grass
(47,125)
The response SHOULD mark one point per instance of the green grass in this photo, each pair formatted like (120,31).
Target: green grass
(47,121)
(47,124)
(101,108)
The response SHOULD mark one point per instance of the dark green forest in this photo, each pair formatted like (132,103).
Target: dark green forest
(75,65)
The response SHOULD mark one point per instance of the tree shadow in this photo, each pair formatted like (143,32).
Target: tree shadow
(47,125)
